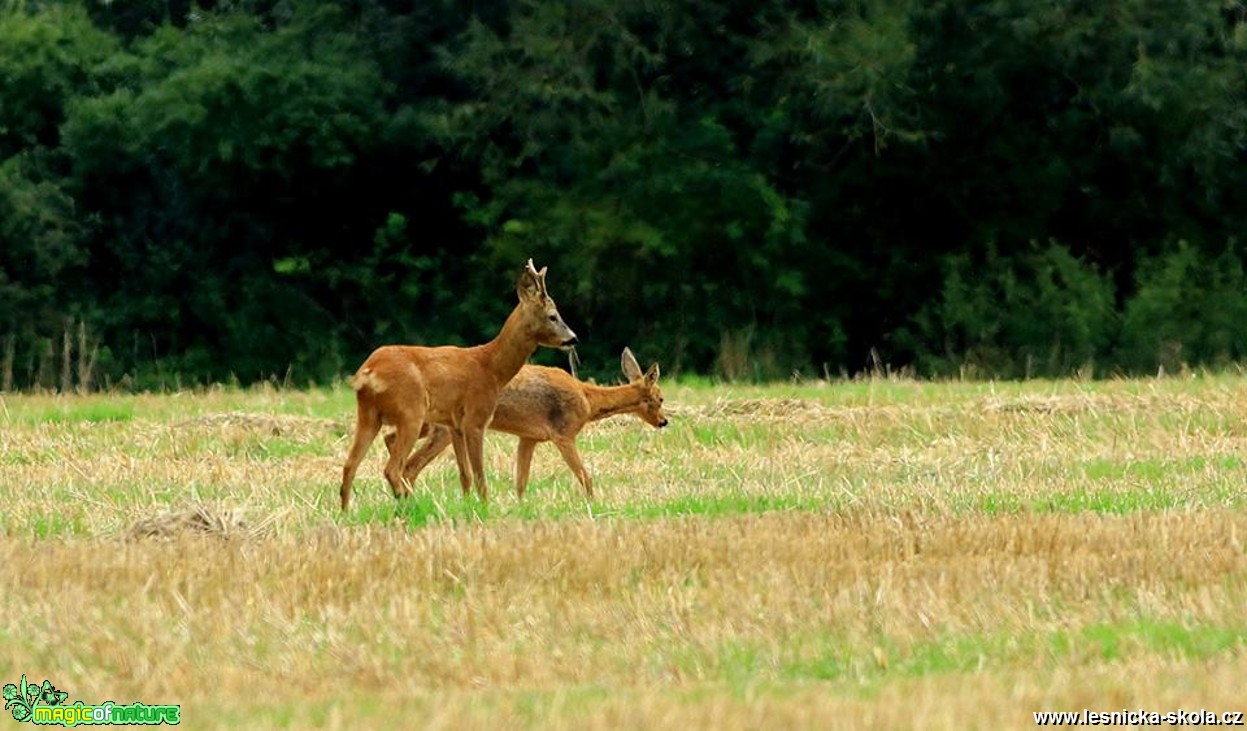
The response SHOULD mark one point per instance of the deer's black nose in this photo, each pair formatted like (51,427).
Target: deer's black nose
(570,341)
(662,423)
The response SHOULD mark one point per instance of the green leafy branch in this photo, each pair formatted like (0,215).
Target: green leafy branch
(24,699)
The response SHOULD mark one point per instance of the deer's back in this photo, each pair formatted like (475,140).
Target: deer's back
(541,403)
(453,379)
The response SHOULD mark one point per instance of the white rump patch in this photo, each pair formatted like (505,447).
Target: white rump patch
(367,379)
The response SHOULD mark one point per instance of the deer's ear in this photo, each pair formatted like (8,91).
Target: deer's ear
(631,370)
(651,376)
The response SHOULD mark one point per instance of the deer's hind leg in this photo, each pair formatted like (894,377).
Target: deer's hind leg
(407,423)
(367,424)
(572,457)
(439,438)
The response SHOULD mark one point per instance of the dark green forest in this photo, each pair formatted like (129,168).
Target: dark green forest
(269,189)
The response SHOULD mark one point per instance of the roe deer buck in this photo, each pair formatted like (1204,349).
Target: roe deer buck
(548,405)
(409,386)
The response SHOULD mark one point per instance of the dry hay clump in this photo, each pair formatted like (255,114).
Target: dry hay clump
(777,407)
(1082,403)
(792,410)
(274,424)
(198,519)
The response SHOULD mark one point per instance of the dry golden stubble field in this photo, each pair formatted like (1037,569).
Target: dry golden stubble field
(882,554)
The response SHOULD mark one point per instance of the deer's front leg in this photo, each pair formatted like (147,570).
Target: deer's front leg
(475,439)
(461,459)
(523,460)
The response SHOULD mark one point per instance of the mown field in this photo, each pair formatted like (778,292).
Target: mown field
(868,554)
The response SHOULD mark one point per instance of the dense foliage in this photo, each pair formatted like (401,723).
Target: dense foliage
(204,191)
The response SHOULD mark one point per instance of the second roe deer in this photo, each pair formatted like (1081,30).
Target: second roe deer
(549,405)
(455,388)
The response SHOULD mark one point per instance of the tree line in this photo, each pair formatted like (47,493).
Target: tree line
(196,192)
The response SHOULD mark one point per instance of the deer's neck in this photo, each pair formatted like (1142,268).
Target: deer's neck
(511,349)
(606,401)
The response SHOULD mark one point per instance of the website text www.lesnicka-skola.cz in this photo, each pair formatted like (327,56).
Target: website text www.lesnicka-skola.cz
(1180,717)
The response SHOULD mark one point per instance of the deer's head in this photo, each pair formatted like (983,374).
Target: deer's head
(540,312)
(647,387)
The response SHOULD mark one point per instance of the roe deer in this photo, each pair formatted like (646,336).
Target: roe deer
(410,386)
(548,405)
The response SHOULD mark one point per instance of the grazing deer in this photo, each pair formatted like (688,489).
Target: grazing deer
(409,386)
(548,405)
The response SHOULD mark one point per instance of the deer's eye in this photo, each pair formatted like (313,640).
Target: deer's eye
(554,318)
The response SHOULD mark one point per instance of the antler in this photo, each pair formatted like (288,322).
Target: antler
(538,276)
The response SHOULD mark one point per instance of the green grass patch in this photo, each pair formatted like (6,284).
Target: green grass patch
(1157,470)
(1107,502)
(834,657)
(714,506)
(421,509)
(1122,500)
(1113,641)
(1101,501)
(428,508)
(54,525)
(69,411)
